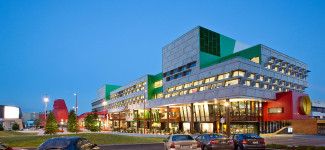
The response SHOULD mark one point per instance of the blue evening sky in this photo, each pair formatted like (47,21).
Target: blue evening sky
(61,47)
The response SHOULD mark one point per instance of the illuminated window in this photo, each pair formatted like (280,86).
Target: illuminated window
(256,60)
(265,86)
(198,82)
(167,95)
(208,80)
(194,90)
(158,84)
(248,83)
(179,87)
(223,76)
(238,73)
(257,84)
(232,82)
(261,78)
(276,110)
(203,88)
(171,89)
(174,94)
(187,85)
(268,66)
(252,76)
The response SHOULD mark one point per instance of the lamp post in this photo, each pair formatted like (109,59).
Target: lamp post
(144,116)
(46,101)
(105,108)
(76,104)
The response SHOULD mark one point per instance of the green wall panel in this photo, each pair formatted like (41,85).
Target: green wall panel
(152,91)
(109,89)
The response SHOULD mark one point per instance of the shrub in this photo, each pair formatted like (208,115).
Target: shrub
(15,127)
(1,127)
(91,123)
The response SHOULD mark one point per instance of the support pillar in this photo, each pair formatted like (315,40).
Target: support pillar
(167,126)
(119,121)
(192,118)
(228,119)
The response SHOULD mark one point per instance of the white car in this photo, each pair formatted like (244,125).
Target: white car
(181,142)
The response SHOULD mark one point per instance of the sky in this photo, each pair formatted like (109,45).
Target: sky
(62,47)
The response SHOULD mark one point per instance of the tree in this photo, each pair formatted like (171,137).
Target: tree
(1,127)
(15,127)
(37,123)
(51,125)
(72,122)
(91,123)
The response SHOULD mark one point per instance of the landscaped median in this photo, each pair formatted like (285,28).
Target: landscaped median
(15,139)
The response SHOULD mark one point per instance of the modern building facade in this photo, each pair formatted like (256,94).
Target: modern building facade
(10,115)
(212,83)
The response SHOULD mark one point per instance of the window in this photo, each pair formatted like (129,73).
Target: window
(208,80)
(257,84)
(275,110)
(223,76)
(170,89)
(232,82)
(256,60)
(261,78)
(158,84)
(238,73)
(198,82)
(194,90)
(167,95)
(252,76)
(179,87)
(248,83)
(187,85)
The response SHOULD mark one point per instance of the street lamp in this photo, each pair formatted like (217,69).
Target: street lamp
(46,101)
(76,104)
(105,108)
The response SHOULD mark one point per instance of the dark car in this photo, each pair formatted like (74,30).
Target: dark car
(68,143)
(5,147)
(248,141)
(215,141)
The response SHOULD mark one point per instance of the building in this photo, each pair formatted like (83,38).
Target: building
(10,115)
(60,112)
(213,83)
(29,119)
(318,109)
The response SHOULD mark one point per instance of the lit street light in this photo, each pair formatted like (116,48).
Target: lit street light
(105,108)
(46,101)
(76,104)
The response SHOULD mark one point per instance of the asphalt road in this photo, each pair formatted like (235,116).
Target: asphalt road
(156,146)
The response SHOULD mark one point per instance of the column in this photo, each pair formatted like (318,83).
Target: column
(228,119)
(167,126)
(192,118)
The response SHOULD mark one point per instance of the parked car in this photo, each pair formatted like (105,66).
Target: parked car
(248,141)
(5,147)
(181,141)
(215,141)
(68,143)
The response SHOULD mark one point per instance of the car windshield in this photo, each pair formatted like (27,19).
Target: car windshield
(182,138)
(251,136)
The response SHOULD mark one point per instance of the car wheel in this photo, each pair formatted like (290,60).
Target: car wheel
(205,148)
(239,148)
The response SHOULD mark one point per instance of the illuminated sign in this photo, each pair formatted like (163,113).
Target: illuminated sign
(11,112)
(304,105)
